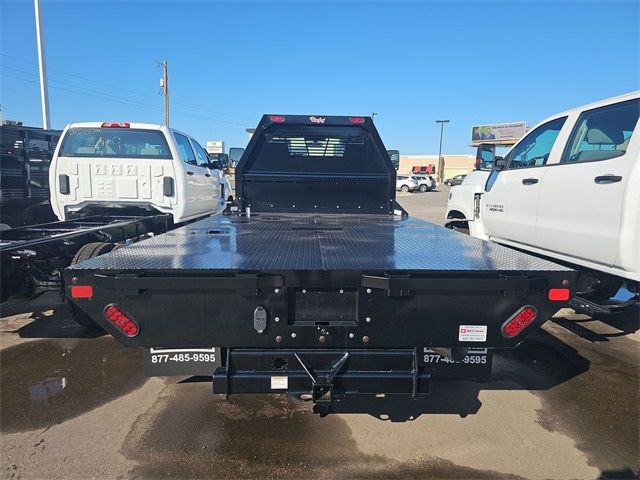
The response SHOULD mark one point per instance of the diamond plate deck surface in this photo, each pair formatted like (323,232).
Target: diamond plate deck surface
(316,242)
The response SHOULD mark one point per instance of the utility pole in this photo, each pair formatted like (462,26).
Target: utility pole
(164,83)
(44,89)
(440,159)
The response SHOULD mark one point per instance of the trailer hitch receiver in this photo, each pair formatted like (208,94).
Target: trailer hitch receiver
(322,386)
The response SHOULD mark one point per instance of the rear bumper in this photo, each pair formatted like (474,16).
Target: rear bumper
(325,374)
(70,211)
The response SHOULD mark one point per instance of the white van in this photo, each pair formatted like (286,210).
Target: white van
(128,167)
(569,190)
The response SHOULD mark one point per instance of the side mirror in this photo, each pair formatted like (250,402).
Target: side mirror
(499,163)
(235,154)
(485,156)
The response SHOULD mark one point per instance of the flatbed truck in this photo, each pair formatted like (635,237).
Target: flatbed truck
(316,284)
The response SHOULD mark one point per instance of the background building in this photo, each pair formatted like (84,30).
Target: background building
(453,164)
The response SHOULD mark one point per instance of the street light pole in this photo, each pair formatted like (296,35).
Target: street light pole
(165,91)
(440,159)
(42,65)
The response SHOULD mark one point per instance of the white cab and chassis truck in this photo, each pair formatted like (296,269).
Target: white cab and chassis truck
(110,184)
(568,191)
(317,285)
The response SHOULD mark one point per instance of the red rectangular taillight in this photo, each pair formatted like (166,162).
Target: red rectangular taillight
(277,118)
(559,294)
(116,125)
(81,291)
(356,120)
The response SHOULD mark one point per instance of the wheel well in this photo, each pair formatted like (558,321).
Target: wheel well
(457,225)
(455,214)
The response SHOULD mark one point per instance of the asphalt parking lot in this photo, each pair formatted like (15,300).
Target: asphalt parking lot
(565,404)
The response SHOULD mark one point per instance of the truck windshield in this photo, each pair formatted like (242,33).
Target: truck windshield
(114,143)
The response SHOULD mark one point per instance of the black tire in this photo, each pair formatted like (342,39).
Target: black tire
(7,223)
(91,250)
(404,188)
(424,188)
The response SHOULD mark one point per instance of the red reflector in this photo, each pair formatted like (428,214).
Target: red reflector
(116,125)
(277,118)
(121,321)
(82,291)
(559,294)
(356,120)
(519,321)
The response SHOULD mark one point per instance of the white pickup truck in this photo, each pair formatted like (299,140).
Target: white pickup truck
(570,191)
(125,167)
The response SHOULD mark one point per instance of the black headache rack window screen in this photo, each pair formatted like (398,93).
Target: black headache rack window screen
(318,150)
(316,146)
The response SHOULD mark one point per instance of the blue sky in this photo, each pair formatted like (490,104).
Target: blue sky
(230,62)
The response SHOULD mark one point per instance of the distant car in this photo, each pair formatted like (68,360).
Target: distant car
(457,180)
(426,183)
(407,183)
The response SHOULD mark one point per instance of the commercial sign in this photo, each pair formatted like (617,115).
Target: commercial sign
(507,133)
(215,146)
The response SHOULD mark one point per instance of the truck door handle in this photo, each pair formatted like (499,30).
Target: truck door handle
(529,181)
(207,175)
(603,179)
(189,173)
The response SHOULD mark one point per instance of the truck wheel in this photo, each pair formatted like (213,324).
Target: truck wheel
(457,225)
(424,188)
(404,189)
(7,223)
(90,250)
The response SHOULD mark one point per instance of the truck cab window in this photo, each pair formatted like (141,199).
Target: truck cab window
(602,133)
(203,158)
(534,149)
(185,150)
(114,143)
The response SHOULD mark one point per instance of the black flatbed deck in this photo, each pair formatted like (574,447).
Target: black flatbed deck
(289,242)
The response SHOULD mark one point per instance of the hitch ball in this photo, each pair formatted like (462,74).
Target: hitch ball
(260,319)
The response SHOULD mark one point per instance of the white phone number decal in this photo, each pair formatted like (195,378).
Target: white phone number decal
(435,358)
(183,357)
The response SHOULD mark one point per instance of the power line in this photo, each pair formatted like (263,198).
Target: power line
(81,88)
(121,89)
(113,98)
